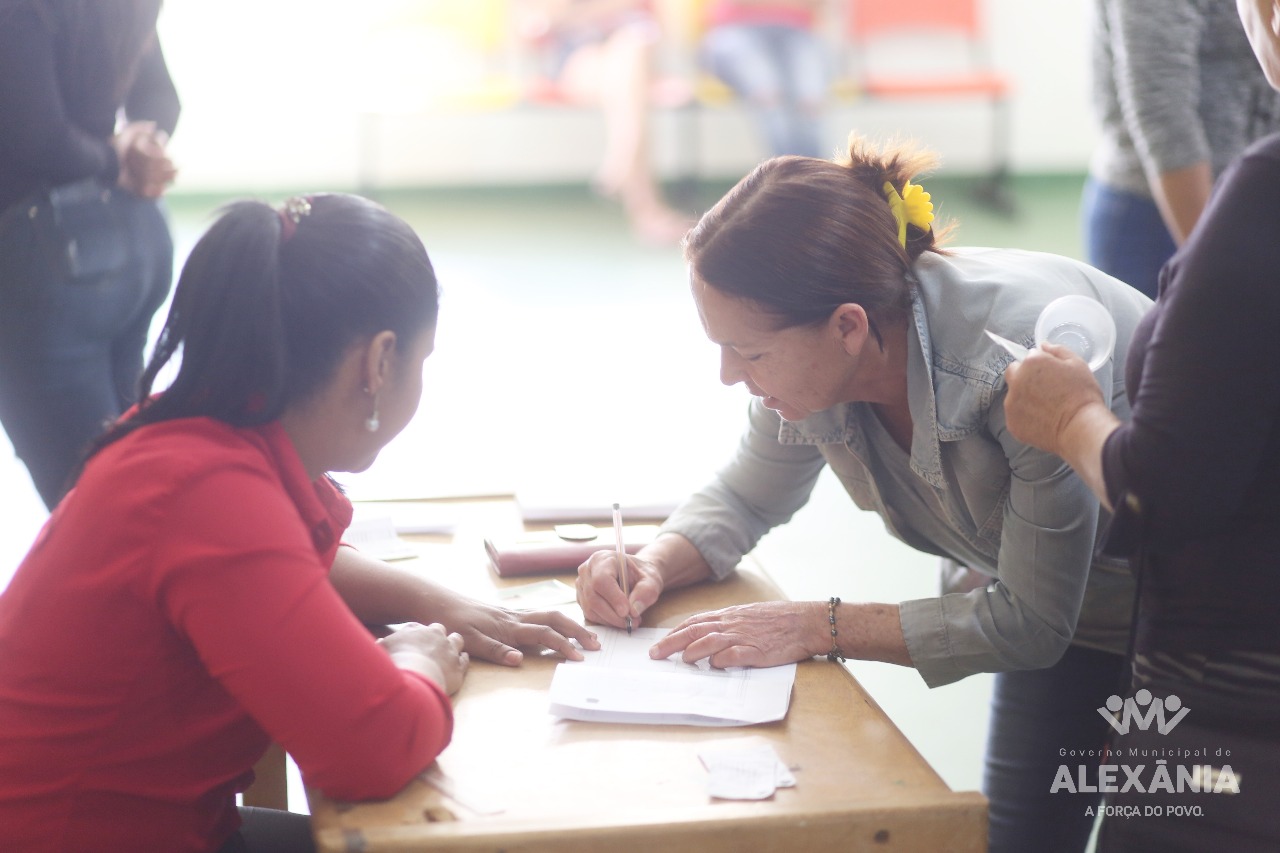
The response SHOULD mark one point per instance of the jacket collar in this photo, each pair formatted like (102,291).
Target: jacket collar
(325,511)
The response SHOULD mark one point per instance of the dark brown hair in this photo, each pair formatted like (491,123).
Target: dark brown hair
(801,236)
(259,322)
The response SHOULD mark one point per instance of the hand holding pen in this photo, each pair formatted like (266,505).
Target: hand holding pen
(614,588)
(668,562)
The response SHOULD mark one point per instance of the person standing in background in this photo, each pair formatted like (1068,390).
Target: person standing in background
(86,257)
(1193,477)
(769,54)
(1178,94)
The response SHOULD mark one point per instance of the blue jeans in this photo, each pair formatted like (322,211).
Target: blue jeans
(782,73)
(1037,717)
(1187,821)
(74,324)
(1125,236)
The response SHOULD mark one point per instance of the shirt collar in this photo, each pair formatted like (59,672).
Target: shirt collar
(841,424)
(324,509)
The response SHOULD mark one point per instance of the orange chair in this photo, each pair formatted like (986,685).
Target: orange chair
(872,23)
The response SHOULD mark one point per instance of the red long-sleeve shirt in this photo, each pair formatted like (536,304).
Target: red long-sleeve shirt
(173,617)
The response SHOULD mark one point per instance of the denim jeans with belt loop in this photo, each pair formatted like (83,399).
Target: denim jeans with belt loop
(83,269)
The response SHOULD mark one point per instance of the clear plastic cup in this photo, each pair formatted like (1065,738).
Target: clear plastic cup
(1082,325)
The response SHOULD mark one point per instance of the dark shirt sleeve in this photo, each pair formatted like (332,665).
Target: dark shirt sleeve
(153,96)
(38,141)
(1205,406)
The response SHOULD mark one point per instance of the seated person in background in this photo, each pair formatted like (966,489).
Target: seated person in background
(603,55)
(861,340)
(190,601)
(770,56)
(1194,478)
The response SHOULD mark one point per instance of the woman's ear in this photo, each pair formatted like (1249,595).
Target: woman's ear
(851,324)
(379,357)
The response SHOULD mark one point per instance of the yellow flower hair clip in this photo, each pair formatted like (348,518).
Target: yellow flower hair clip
(912,206)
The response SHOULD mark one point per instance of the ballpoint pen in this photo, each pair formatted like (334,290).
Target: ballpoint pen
(1018,351)
(622,558)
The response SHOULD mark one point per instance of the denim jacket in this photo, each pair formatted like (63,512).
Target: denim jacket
(1017,515)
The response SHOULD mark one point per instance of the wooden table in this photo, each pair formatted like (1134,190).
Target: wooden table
(568,786)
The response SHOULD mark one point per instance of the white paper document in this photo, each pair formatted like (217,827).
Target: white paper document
(621,684)
(377,538)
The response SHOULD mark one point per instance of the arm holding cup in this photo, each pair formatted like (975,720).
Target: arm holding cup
(1054,404)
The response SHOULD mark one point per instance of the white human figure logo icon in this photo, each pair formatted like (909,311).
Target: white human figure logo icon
(1132,711)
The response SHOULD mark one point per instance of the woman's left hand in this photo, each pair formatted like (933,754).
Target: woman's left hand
(495,634)
(769,633)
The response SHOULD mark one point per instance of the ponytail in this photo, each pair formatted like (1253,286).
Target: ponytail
(225,318)
(873,166)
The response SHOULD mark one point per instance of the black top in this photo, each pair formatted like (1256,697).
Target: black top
(59,98)
(1195,475)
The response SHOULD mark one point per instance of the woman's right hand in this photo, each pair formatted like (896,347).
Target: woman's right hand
(1047,390)
(430,651)
(600,591)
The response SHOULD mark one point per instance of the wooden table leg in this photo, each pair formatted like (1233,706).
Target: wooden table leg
(270,788)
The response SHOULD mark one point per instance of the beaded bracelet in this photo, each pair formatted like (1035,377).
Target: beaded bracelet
(835,655)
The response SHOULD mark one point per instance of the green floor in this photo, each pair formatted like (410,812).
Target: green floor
(535,220)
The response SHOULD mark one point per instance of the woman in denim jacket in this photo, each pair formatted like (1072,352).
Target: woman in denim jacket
(824,286)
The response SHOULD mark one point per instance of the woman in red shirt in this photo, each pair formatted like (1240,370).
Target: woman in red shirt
(190,601)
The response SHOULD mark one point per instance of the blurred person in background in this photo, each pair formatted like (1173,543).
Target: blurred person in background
(1178,94)
(772,58)
(602,53)
(86,257)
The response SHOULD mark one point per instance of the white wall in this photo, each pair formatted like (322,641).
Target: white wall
(279,94)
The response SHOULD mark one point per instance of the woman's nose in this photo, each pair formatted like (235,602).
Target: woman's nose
(731,372)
